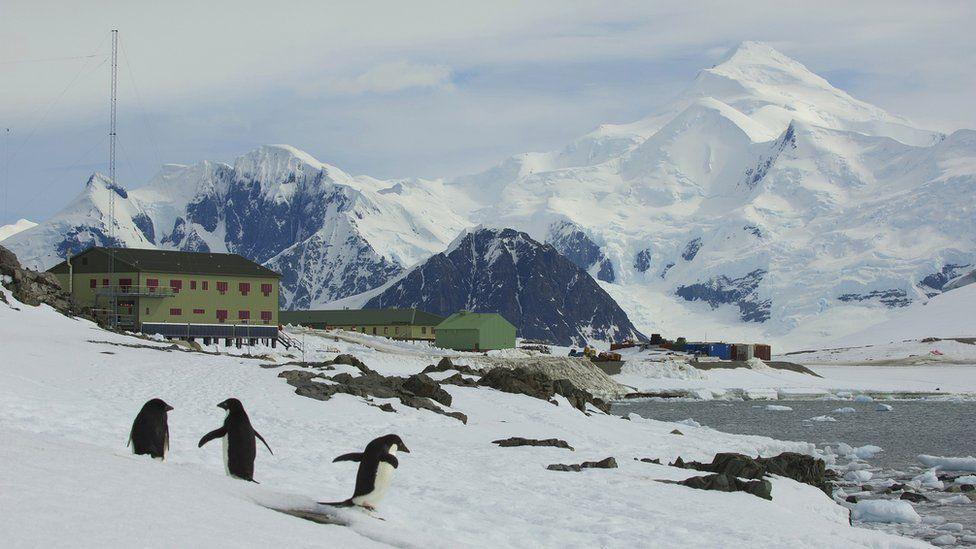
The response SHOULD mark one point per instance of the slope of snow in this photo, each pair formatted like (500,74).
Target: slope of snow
(7,231)
(68,392)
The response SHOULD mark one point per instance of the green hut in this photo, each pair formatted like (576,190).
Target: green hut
(465,331)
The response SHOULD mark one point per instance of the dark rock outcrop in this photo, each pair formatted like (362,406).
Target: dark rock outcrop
(538,385)
(727,483)
(913,497)
(799,467)
(545,295)
(519,441)
(372,385)
(742,292)
(606,463)
(32,287)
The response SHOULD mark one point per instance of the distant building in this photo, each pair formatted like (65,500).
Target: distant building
(392,323)
(184,295)
(466,331)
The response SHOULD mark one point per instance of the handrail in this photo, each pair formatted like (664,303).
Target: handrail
(137,291)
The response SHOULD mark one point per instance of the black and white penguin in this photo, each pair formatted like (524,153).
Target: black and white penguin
(376,465)
(150,430)
(238,440)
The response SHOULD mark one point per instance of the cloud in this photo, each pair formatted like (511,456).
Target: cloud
(392,77)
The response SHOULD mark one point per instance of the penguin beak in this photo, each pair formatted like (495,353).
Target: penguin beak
(169,408)
(403,448)
(222,405)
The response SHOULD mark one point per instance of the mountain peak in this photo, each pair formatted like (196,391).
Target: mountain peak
(760,63)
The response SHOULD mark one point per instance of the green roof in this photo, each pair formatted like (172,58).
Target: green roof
(166,261)
(470,321)
(361,317)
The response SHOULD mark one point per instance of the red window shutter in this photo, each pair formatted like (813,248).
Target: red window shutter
(152,282)
(221,315)
(193,284)
(222,287)
(243,315)
(176,285)
(244,287)
(266,317)
(266,289)
(104,282)
(93,283)
(199,311)
(175,312)
(206,285)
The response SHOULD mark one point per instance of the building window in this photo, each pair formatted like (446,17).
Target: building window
(104,282)
(433,331)
(374,330)
(243,315)
(266,289)
(176,286)
(193,284)
(125,284)
(386,330)
(152,284)
(363,330)
(222,288)
(244,287)
(423,329)
(147,310)
(176,312)
(93,283)
(221,315)
(204,285)
(199,311)
(396,330)
(266,317)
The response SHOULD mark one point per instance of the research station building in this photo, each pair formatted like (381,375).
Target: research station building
(175,294)
(407,324)
(465,331)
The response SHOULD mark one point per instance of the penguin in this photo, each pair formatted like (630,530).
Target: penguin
(238,440)
(150,430)
(376,465)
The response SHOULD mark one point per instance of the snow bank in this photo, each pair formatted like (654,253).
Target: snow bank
(949,463)
(880,510)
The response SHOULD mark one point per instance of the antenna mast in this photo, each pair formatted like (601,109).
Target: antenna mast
(113,299)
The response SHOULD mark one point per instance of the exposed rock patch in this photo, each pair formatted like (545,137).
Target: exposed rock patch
(727,483)
(606,463)
(32,287)
(538,385)
(799,467)
(519,441)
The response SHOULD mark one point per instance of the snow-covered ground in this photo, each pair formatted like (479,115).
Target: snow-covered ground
(69,391)
(939,367)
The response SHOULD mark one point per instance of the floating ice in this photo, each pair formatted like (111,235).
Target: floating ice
(778,408)
(929,479)
(689,422)
(966,479)
(858,476)
(867,452)
(882,510)
(822,418)
(863,398)
(945,539)
(845,410)
(958,498)
(949,463)
(883,408)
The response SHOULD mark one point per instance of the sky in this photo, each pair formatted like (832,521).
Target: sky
(416,89)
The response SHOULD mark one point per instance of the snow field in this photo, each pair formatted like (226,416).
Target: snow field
(66,404)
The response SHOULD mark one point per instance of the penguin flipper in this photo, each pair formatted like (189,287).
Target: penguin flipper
(347,503)
(391,459)
(216,433)
(257,434)
(355,456)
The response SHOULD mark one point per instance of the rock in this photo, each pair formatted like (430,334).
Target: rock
(519,441)
(913,497)
(445,364)
(33,287)
(371,384)
(799,467)
(851,499)
(387,407)
(897,486)
(460,381)
(656,461)
(677,432)
(424,386)
(953,489)
(538,385)
(727,483)
(967,487)
(606,463)
(350,360)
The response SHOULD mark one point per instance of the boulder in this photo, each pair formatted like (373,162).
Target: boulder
(913,497)
(519,441)
(423,386)
(728,483)
(460,381)
(33,287)
(538,385)
(445,364)
(799,467)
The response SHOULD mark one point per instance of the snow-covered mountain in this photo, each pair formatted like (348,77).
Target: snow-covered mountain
(761,203)
(544,294)
(18,226)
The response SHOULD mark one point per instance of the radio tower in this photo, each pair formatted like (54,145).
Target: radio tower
(113,299)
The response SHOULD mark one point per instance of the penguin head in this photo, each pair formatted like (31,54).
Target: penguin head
(395,443)
(157,405)
(231,405)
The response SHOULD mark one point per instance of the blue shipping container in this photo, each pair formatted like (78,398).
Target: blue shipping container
(720,350)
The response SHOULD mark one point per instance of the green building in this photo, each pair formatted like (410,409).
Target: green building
(175,294)
(466,331)
(392,323)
